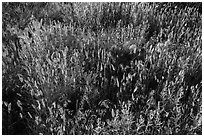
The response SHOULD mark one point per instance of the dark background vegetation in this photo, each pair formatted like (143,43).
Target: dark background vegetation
(66,69)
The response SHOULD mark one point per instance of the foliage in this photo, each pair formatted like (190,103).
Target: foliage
(101,68)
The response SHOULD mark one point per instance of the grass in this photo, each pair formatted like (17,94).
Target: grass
(69,71)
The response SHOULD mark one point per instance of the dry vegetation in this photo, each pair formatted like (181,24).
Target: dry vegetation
(102,68)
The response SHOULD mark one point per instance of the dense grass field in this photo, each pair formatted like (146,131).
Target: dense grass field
(102,68)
